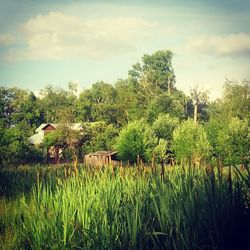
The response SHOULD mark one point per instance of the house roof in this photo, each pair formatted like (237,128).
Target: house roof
(74,126)
(43,125)
(37,138)
(103,153)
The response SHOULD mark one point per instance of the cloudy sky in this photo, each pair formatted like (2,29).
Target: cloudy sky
(54,42)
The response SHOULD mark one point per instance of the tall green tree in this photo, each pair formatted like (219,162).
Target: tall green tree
(99,104)
(236,99)
(53,100)
(165,104)
(128,101)
(29,111)
(11,100)
(155,74)
(234,103)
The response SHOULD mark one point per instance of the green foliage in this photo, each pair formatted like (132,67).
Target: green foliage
(54,100)
(214,129)
(129,100)
(99,104)
(230,140)
(29,111)
(148,93)
(17,105)
(239,139)
(161,149)
(234,140)
(130,142)
(158,137)
(156,73)
(14,147)
(150,141)
(66,138)
(107,210)
(190,142)
(55,138)
(153,77)
(200,103)
(64,134)
(164,126)
(100,137)
(166,104)
(236,100)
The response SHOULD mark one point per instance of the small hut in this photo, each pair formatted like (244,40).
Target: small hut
(101,158)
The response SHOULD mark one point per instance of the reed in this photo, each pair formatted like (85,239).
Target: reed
(191,208)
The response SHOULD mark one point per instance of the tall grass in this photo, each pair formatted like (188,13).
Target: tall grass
(190,208)
(15,181)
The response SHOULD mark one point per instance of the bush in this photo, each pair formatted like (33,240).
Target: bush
(190,142)
(164,126)
(130,142)
(15,148)
(234,142)
(230,140)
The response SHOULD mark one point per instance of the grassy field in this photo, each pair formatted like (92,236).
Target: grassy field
(187,208)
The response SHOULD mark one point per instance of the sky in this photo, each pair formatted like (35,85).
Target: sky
(55,42)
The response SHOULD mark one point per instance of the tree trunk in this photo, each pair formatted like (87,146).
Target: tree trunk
(195,112)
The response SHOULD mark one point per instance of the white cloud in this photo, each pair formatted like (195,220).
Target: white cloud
(228,45)
(6,39)
(57,36)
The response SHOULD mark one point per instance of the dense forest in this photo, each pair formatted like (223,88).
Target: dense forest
(144,114)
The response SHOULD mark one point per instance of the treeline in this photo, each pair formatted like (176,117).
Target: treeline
(144,114)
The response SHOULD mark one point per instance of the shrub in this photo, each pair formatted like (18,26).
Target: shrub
(190,142)
(130,142)
(234,142)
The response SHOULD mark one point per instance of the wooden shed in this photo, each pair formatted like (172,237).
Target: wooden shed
(101,158)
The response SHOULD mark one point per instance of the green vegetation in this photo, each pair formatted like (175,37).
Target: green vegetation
(190,143)
(109,114)
(112,208)
(188,188)
(130,143)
